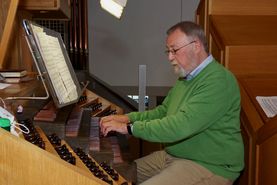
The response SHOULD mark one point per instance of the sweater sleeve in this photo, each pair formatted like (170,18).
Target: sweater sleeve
(157,113)
(205,106)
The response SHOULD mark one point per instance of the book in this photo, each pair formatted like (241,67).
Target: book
(13,72)
(17,79)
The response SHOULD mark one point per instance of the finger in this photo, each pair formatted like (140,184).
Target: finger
(107,130)
(101,124)
(102,120)
(105,119)
(106,125)
(102,127)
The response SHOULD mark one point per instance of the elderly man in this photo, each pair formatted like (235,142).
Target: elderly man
(198,122)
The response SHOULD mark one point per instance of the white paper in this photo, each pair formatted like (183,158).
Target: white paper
(4,85)
(268,104)
(6,114)
(57,68)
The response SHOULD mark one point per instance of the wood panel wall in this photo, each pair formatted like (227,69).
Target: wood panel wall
(239,7)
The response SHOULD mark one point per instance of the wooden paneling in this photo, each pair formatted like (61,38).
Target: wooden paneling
(207,8)
(247,174)
(39,4)
(25,163)
(259,132)
(200,16)
(7,30)
(244,44)
(245,30)
(266,161)
(218,53)
(249,129)
(239,7)
(5,4)
(54,9)
(254,59)
(25,57)
(14,52)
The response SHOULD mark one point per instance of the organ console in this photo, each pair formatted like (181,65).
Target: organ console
(41,156)
(18,156)
(19,149)
(241,36)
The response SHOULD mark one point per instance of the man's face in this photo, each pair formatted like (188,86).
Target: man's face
(181,53)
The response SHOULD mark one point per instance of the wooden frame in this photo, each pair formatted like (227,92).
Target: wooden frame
(259,131)
(25,163)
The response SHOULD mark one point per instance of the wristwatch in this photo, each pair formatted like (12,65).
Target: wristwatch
(129,128)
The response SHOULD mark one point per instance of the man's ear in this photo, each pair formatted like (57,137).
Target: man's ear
(197,46)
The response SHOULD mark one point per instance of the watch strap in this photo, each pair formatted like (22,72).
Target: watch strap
(129,129)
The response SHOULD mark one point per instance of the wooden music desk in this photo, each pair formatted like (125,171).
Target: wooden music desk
(20,89)
(259,131)
(32,88)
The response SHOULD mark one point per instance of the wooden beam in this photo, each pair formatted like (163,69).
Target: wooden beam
(7,31)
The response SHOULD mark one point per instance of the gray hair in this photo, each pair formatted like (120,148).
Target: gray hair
(191,29)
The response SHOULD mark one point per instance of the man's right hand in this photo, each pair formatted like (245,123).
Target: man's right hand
(117,118)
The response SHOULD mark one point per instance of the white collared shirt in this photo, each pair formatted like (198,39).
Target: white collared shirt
(199,68)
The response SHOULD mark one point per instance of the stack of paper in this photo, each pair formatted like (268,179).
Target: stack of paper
(13,72)
(268,104)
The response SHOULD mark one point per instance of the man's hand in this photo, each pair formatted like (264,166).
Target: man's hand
(112,125)
(117,118)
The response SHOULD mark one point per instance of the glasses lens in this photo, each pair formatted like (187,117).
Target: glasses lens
(167,52)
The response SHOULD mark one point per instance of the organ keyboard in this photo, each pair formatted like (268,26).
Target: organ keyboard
(52,144)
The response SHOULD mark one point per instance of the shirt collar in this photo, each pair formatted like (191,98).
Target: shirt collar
(199,68)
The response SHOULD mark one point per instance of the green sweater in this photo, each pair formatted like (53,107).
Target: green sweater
(199,120)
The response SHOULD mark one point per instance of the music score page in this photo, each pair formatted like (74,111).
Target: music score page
(268,104)
(57,68)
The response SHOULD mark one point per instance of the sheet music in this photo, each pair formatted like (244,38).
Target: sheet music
(268,104)
(57,68)
(37,29)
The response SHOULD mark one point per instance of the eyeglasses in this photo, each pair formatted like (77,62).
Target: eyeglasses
(174,51)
